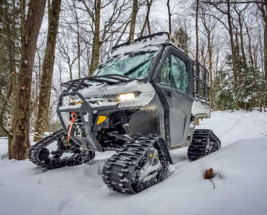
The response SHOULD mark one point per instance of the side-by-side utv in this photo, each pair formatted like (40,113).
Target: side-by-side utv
(141,102)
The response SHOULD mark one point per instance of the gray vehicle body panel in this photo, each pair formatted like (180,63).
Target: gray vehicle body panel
(161,109)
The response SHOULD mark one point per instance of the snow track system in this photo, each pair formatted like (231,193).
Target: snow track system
(139,164)
(41,156)
(204,142)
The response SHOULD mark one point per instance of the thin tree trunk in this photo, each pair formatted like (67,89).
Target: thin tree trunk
(147,23)
(242,41)
(21,143)
(70,69)
(169,17)
(42,123)
(96,40)
(122,33)
(230,30)
(197,44)
(252,64)
(79,51)
(265,46)
(210,69)
(249,47)
(265,55)
(263,8)
(133,20)
(239,13)
(238,62)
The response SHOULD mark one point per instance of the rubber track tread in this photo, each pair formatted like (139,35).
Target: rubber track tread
(200,141)
(75,159)
(120,171)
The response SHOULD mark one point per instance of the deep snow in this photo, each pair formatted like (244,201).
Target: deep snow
(240,183)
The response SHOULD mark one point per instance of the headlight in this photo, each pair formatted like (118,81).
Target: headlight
(127,96)
(122,97)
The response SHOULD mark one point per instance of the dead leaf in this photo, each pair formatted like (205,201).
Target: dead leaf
(209,174)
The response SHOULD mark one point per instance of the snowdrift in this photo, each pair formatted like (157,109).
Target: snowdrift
(240,181)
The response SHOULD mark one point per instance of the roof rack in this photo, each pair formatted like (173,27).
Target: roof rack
(143,38)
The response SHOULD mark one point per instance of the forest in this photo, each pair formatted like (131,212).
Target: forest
(48,42)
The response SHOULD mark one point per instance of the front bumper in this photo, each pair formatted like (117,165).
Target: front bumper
(86,112)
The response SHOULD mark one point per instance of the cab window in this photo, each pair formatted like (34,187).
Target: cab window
(173,73)
(164,76)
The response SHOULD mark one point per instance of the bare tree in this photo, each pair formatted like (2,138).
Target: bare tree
(133,19)
(229,27)
(209,25)
(21,143)
(262,5)
(67,51)
(169,16)
(197,44)
(42,123)
(147,22)
(113,22)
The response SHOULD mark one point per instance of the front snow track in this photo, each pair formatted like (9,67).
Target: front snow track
(139,164)
(122,172)
(203,143)
(41,156)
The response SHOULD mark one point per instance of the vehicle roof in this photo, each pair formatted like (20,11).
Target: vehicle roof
(149,43)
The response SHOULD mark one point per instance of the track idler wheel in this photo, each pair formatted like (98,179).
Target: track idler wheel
(43,154)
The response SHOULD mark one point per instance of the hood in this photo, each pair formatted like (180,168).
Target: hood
(103,89)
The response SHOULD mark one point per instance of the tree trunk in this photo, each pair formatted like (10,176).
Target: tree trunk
(263,8)
(79,51)
(250,47)
(96,40)
(238,67)
(169,17)
(133,20)
(21,143)
(242,40)
(197,44)
(265,54)
(149,3)
(8,55)
(264,15)
(240,22)
(210,69)
(42,123)
(230,30)
(11,152)
(265,48)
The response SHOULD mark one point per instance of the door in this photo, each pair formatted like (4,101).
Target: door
(172,80)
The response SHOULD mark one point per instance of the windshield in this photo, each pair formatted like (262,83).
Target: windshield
(131,65)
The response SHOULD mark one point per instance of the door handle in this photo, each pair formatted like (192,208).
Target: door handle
(168,93)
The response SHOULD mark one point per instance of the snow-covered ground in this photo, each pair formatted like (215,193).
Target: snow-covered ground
(240,183)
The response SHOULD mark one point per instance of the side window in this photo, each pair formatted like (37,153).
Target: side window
(178,74)
(164,75)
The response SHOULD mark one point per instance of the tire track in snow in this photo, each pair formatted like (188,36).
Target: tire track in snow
(234,125)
